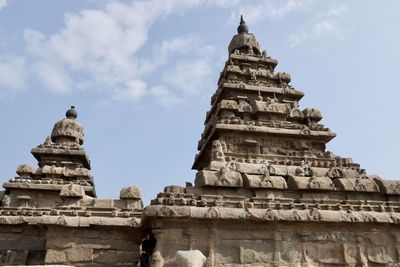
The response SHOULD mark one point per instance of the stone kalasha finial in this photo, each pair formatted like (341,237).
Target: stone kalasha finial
(71,113)
(244,41)
(68,130)
(242,26)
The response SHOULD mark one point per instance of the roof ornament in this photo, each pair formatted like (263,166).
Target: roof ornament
(68,131)
(71,113)
(242,26)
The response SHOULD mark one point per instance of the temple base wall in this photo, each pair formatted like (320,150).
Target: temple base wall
(280,244)
(22,244)
(58,245)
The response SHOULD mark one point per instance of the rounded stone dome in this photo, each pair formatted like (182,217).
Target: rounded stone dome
(25,170)
(244,40)
(130,192)
(68,130)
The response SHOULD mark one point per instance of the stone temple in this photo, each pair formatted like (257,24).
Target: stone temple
(266,192)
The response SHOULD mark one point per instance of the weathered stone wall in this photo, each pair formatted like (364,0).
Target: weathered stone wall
(280,244)
(22,244)
(102,246)
(91,246)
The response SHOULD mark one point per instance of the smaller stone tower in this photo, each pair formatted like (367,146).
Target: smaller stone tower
(63,169)
(51,215)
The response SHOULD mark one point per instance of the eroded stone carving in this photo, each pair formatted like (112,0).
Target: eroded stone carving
(362,184)
(217,151)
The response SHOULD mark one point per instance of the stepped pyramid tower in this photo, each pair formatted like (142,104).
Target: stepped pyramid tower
(267,193)
(51,215)
(255,119)
(61,160)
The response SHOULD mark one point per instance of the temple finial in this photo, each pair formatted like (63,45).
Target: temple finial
(242,26)
(71,113)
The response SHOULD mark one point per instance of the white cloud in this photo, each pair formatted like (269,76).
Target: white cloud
(259,10)
(108,57)
(189,76)
(100,49)
(104,56)
(223,3)
(12,73)
(185,76)
(164,96)
(53,76)
(133,90)
(168,48)
(326,28)
(330,24)
(3,4)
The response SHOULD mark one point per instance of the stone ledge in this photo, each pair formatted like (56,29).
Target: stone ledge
(270,214)
(320,135)
(71,221)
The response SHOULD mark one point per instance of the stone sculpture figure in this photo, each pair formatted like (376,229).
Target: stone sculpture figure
(217,151)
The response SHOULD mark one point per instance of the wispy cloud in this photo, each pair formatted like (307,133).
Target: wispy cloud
(188,76)
(171,47)
(326,25)
(133,90)
(3,4)
(266,9)
(164,96)
(12,74)
(79,56)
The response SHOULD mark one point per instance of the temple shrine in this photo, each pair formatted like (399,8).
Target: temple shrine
(266,191)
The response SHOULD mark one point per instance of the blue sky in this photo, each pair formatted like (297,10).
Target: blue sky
(141,74)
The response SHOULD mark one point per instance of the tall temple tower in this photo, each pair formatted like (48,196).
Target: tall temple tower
(267,193)
(255,119)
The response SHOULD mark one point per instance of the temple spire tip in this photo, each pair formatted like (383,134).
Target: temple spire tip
(242,28)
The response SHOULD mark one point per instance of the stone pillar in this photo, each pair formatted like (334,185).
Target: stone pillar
(361,250)
(397,238)
(156,260)
(277,248)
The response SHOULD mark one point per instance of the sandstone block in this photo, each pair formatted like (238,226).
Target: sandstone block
(190,258)
(259,181)
(103,203)
(22,244)
(213,178)
(72,190)
(361,184)
(305,183)
(79,254)
(175,189)
(25,170)
(55,256)
(389,186)
(115,257)
(130,192)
